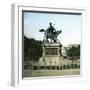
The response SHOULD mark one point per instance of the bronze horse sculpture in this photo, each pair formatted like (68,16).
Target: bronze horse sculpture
(52,37)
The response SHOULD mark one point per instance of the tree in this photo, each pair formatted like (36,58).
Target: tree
(32,49)
(35,50)
(74,53)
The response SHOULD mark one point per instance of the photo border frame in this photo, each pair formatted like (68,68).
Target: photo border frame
(16,47)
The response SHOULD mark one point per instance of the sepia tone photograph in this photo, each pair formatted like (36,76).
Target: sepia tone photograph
(51,43)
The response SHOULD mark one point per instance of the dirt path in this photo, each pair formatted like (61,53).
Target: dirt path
(38,73)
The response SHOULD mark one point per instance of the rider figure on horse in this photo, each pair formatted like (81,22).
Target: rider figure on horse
(51,33)
(51,29)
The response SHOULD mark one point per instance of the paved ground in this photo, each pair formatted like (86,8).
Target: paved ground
(38,73)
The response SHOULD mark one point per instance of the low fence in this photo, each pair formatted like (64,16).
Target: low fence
(71,66)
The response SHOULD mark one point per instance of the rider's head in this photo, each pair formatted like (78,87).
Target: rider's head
(50,24)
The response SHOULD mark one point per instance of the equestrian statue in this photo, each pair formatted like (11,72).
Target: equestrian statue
(50,34)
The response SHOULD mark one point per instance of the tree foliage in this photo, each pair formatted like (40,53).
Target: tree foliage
(74,52)
(32,49)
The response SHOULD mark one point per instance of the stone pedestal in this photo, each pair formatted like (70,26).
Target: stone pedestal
(51,54)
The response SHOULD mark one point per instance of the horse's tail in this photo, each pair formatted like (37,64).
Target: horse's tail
(58,32)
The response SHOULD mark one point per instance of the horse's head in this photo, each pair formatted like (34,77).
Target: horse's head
(41,30)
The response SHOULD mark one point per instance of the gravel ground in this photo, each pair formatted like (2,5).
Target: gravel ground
(39,73)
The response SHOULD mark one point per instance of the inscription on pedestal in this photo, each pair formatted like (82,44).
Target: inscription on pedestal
(51,51)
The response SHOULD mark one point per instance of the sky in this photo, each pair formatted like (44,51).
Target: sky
(70,24)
